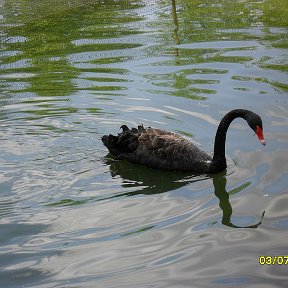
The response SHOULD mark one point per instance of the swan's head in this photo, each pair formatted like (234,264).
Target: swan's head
(255,122)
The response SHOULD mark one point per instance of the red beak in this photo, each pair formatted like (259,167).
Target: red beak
(259,133)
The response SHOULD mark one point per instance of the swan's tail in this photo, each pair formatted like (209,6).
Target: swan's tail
(109,141)
(126,141)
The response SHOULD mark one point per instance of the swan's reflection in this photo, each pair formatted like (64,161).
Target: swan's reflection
(152,181)
(219,182)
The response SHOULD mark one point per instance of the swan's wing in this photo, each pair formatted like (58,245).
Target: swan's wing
(167,151)
(169,141)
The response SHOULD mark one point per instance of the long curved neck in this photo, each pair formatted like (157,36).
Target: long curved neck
(219,159)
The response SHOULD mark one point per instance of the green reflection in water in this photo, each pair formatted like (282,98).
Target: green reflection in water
(94,110)
(283,68)
(67,202)
(230,20)
(277,85)
(111,60)
(140,230)
(40,39)
(45,38)
(200,21)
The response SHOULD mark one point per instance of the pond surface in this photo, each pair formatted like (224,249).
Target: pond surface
(72,71)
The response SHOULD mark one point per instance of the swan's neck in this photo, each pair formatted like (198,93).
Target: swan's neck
(219,158)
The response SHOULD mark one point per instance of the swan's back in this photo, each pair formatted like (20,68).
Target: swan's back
(156,148)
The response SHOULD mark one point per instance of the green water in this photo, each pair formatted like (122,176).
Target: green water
(72,71)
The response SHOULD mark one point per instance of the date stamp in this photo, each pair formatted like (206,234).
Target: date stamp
(273,260)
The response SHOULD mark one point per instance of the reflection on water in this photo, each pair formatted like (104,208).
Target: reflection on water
(219,183)
(149,181)
(72,71)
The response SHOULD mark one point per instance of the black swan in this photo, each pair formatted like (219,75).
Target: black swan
(160,149)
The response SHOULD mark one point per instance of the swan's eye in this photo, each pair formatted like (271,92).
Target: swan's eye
(259,133)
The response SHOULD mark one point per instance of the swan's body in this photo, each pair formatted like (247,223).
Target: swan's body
(160,149)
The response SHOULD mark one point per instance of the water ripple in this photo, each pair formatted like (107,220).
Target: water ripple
(73,216)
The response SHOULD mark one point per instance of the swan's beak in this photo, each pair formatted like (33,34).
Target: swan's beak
(259,133)
(263,141)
